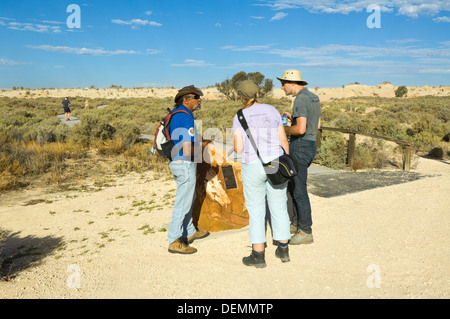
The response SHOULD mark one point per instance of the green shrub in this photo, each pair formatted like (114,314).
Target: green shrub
(401,91)
(229,87)
(333,150)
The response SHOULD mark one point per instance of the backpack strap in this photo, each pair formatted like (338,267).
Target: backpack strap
(166,125)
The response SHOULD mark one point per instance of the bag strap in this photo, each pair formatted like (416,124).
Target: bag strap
(244,124)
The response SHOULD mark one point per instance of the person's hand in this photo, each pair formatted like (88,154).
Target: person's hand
(288,115)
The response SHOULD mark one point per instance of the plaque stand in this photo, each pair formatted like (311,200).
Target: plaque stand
(219,203)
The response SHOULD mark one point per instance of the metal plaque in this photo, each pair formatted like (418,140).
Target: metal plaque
(228,176)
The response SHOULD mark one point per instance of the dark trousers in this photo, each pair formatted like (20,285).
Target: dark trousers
(303,153)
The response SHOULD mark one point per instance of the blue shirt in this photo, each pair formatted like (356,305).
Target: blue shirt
(182,129)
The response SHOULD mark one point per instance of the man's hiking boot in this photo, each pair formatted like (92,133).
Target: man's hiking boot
(283,254)
(198,235)
(180,247)
(301,238)
(255,259)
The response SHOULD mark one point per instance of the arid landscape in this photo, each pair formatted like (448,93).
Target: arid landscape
(86,201)
(109,240)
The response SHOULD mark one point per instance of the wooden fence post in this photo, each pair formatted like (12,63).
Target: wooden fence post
(406,157)
(351,150)
(406,146)
(319,139)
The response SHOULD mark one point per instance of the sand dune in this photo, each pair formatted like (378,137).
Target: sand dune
(325,94)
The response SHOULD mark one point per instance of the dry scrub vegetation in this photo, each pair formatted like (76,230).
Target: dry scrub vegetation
(37,149)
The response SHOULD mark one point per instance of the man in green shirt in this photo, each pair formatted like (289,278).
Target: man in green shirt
(305,121)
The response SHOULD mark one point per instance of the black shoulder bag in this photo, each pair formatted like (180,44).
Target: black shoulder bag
(278,171)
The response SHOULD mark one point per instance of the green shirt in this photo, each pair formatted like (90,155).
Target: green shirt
(307,104)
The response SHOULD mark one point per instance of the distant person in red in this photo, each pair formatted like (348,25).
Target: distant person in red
(66,106)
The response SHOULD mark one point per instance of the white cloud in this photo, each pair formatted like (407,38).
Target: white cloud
(366,52)
(218,25)
(135,23)
(381,60)
(441,19)
(413,10)
(279,16)
(53,22)
(147,13)
(118,21)
(246,48)
(410,8)
(9,62)
(81,51)
(403,41)
(34,27)
(435,71)
(152,51)
(193,63)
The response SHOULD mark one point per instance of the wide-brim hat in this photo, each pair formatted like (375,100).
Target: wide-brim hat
(188,90)
(293,76)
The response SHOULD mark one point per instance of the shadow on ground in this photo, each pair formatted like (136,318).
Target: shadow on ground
(341,183)
(20,253)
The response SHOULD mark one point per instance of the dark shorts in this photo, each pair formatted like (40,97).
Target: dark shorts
(66,109)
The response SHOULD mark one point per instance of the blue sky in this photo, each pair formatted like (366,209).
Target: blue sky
(159,43)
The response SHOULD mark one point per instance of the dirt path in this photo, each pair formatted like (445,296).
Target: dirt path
(389,242)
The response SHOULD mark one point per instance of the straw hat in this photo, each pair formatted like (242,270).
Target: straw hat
(293,76)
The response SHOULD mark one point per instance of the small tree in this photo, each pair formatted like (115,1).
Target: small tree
(229,87)
(401,91)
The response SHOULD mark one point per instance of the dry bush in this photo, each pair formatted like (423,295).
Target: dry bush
(34,144)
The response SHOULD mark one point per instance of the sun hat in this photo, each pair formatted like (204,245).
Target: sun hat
(293,76)
(188,90)
(247,89)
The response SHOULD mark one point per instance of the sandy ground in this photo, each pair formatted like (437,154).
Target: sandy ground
(389,242)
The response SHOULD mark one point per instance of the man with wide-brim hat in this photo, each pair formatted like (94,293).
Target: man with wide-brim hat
(305,121)
(183,167)
(188,90)
(292,75)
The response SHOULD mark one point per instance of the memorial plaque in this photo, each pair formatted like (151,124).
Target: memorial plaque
(229,178)
(219,201)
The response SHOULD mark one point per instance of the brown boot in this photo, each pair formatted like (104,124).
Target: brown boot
(198,235)
(180,247)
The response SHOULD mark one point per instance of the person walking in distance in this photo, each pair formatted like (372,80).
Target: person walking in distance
(66,106)
(305,121)
(183,167)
